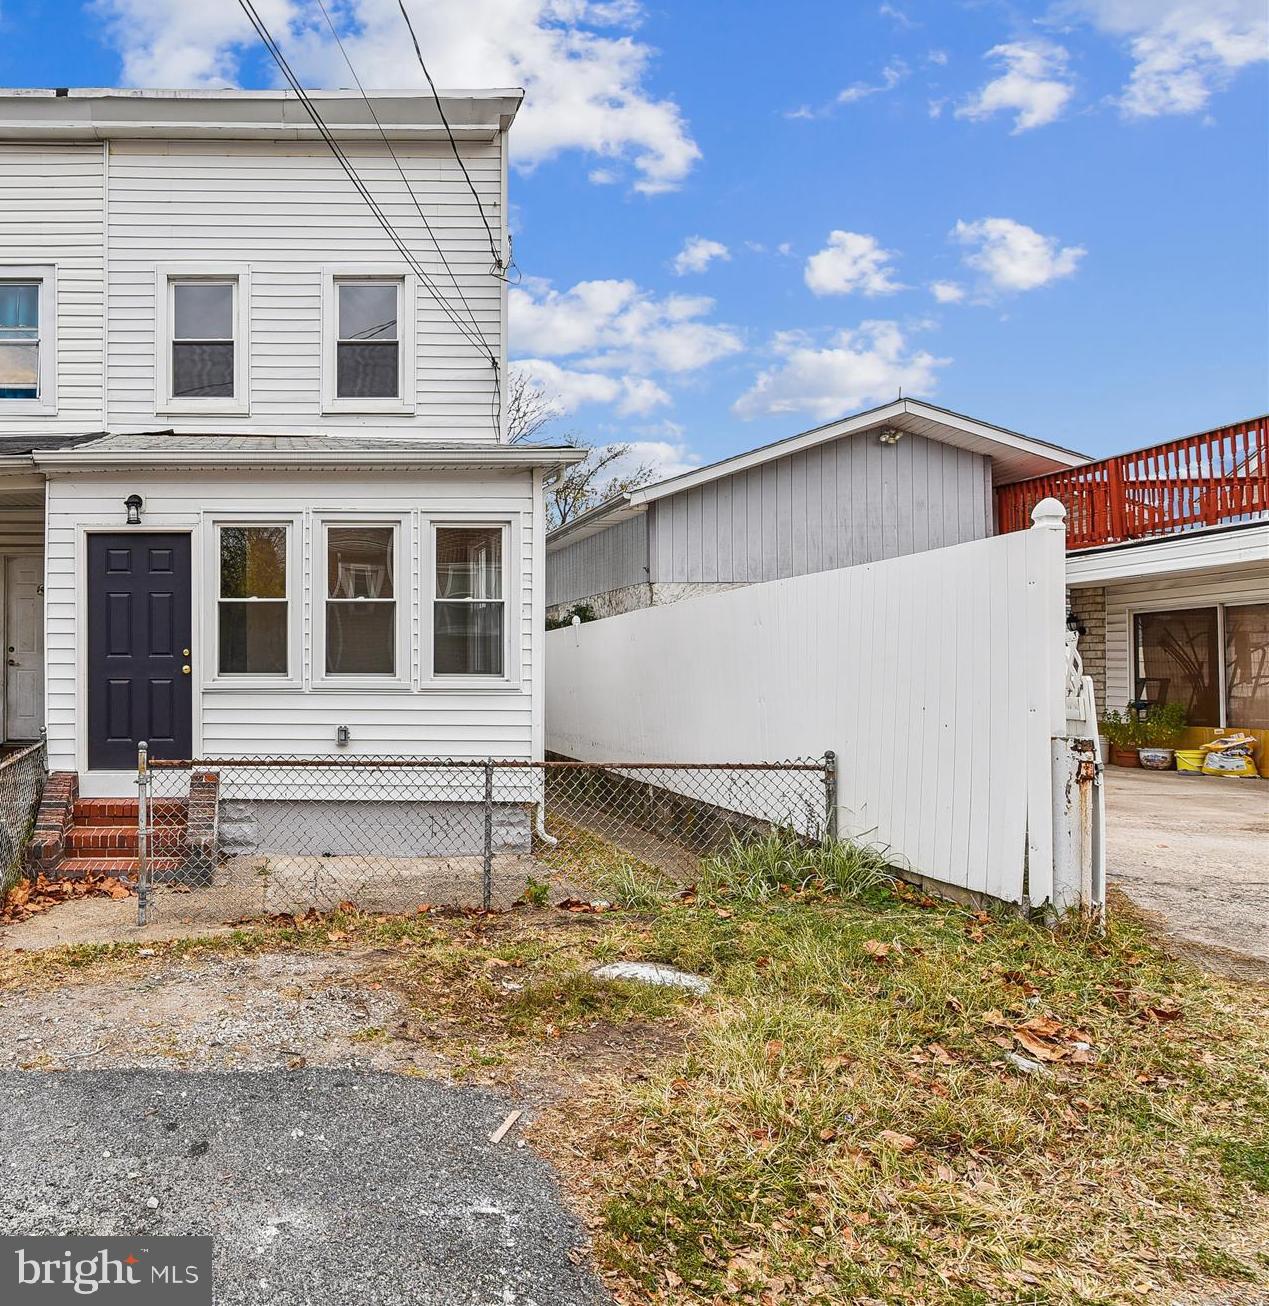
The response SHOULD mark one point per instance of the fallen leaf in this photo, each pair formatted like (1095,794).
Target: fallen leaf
(900,1142)
(877,950)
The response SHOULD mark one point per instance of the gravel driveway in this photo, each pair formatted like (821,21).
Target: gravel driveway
(321,1186)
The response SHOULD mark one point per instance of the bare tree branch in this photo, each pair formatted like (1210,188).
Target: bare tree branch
(530,407)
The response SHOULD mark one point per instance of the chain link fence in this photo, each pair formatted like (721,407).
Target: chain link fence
(237,838)
(22,776)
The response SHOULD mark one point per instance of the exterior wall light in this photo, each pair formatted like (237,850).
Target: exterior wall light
(133,504)
(890,435)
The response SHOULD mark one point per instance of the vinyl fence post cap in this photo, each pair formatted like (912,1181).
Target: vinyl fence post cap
(577,621)
(1049,515)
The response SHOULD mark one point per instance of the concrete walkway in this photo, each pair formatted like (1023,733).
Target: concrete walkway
(1193,851)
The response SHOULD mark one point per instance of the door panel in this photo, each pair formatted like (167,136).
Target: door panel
(24,630)
(139,626)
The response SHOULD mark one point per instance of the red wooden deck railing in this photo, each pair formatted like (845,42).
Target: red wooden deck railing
(1213,479)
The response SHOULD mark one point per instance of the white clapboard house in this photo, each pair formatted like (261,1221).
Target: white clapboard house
(255,491)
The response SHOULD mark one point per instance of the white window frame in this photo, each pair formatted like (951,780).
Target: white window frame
(403,590)
(511,601)
(404,403)
(214,678)
(167,275)
(45,402)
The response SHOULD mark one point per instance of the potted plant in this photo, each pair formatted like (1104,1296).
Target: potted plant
(1125,734)
(1162,730)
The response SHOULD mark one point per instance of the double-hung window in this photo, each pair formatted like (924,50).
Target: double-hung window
(252,609)
(203,314)
(469,606)
(368,344)
(27,346)
(361,600)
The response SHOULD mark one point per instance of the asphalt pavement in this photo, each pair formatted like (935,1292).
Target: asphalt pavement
(321,1187)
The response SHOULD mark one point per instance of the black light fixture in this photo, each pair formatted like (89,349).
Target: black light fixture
(133,504)
(1074,624)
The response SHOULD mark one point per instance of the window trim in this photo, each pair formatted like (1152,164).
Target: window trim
(214,678)
(166,278)
(431,678)
(404,403)
(45,402)
(403,587)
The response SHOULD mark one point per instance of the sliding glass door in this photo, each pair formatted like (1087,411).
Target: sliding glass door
(1214,661)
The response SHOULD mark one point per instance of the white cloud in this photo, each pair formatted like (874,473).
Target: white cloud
(851,262)
(584,71)
(614,325)
(1035,85)
(901,19)
(697,254)
(947,292)
(1183,50)
(891,75)
(666,458)
(1012,256)
(570,390)
(936,57)
(867,365)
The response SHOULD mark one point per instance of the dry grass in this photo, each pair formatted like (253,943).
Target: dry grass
(840,1120)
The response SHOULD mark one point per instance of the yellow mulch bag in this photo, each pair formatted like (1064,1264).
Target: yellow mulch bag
(1231,755)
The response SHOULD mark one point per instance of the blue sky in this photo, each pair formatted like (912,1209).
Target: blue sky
(1083,183)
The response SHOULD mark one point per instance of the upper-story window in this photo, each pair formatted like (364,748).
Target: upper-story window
(27,352)
(203,335)
(203,339)
(369,335)
(368,361)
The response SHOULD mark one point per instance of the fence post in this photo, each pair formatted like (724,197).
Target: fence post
(830,794)
(486,896)
(143,841)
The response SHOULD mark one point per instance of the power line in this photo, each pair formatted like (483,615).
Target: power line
(333,145)
(404,179)
(453,144)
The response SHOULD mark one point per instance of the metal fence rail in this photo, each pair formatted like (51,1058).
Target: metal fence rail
(22,776)
(236,838)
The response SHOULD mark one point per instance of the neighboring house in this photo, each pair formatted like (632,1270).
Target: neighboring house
(898,479)
(255,492)
(1168,574)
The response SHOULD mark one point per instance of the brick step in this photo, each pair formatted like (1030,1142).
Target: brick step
(123,811)
(99,839)
(122,868)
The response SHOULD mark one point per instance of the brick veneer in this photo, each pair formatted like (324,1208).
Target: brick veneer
(52,820)
(200,826)
(1089,605)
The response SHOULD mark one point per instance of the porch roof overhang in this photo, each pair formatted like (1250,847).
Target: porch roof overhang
(1200,550)
(166,451)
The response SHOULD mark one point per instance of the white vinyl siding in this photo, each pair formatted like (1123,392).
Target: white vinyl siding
(51,216)
(288,212)
(1200,589)
(460,720)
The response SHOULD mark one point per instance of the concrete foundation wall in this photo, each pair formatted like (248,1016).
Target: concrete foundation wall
(344,829)
(629,598)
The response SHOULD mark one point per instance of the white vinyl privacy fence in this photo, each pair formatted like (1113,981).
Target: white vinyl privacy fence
(942,680)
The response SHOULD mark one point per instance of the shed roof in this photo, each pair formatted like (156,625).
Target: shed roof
(1014,457)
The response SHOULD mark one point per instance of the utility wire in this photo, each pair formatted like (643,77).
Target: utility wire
(405,181)
(453,144)
(327,136)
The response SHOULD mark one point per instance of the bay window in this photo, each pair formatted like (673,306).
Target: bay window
(468,603)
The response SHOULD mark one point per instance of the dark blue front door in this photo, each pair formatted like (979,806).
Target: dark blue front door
(139,668)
